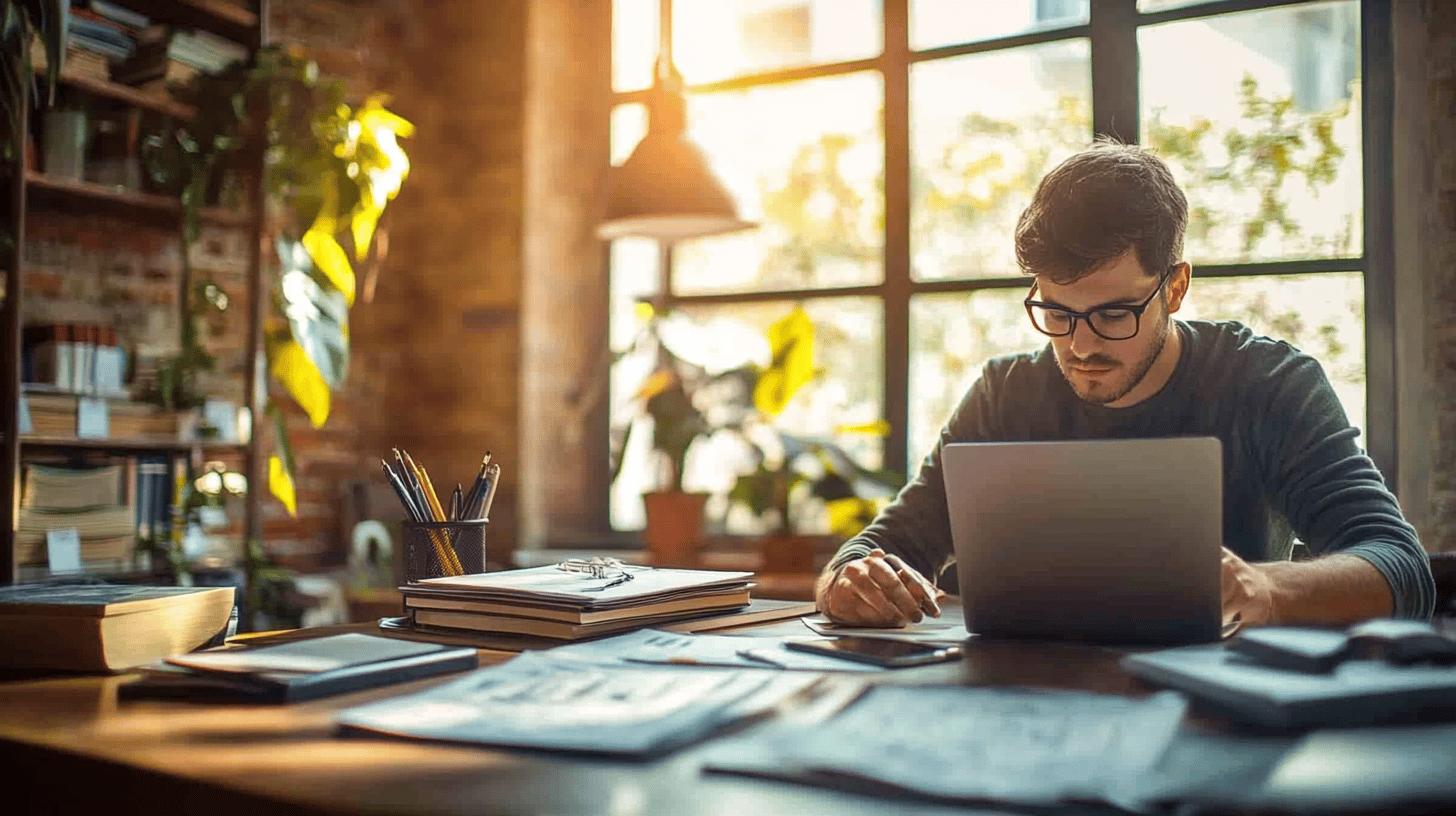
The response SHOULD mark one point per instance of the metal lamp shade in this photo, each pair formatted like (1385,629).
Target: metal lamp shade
(666,190)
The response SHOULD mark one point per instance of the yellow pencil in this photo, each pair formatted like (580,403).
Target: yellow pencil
(453,560)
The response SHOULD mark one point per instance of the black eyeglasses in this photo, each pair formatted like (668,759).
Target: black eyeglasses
(1119,322)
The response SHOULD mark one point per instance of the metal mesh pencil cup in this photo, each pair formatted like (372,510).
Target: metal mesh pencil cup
(436,549)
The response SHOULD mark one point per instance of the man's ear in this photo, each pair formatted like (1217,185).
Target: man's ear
(1178,285)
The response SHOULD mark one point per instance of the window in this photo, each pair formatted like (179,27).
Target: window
(887,149)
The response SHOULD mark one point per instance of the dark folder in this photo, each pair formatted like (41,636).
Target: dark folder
(301,670)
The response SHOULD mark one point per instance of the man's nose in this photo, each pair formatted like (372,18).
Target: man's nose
(1084,341)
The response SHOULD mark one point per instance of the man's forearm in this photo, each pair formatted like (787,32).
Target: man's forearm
(1337,589)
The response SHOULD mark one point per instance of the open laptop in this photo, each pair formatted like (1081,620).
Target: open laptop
(1114,541)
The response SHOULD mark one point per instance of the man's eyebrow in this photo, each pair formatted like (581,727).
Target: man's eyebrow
(1104,305)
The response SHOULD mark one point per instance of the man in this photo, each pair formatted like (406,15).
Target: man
(1103,241)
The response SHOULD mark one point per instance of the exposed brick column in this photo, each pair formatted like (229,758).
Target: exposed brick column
(564,290)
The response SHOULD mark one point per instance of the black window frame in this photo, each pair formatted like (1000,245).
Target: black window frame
(1111,30)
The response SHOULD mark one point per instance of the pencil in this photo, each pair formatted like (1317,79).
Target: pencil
(434,500)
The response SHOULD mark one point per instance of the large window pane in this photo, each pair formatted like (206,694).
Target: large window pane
(948,22)
(1322,315)
(984,129)
(634,43)
(629,125)
(715,40)
(805,160)
(951,336)
(1265,136)
(849,351)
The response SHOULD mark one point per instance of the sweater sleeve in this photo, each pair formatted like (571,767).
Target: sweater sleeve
(916,525)
(1330,491)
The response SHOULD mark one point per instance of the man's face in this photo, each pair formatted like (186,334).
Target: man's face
(1104,371)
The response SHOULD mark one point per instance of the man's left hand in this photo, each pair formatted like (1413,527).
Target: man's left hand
(1248,592)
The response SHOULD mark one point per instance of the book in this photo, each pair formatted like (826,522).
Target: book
(557,630)
(731,599)
(547,585)
(54,488)
(299,670)
(101,627)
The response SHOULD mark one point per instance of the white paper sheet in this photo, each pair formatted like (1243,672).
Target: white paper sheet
(739,651)
(944,629)
(537,701)
(971,744)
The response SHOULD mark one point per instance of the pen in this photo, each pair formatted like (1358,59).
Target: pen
(455,504)
(400,490)
(757,657)
(494,477)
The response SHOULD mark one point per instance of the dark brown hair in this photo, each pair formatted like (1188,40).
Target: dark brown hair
(1095,206)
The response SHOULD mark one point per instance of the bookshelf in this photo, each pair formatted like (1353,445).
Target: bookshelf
(26,190)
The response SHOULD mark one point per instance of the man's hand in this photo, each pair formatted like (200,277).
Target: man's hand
(878,590)
(1248,592)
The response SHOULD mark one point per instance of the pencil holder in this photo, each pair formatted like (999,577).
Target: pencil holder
(436,549)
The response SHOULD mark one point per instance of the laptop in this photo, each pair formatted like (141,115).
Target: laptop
(1111,541)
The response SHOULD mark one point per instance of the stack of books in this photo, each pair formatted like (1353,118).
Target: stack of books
(79,358)
(566,604)
(92,502)
(107,30)
(176,58)
(55,415)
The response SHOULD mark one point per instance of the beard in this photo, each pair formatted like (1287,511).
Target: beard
(1104,393)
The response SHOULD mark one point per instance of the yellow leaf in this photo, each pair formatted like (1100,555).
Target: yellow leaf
(659,381)
(847,517)
(301,378)
(877,428)
(280,484)
(791,342)
(373,115)
(363,224)
(329,256)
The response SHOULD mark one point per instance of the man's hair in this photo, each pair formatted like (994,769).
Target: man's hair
(1096,205)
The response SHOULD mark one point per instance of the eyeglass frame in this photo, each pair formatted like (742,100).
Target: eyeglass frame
(1086,317)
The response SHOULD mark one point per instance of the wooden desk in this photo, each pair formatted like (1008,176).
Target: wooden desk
(67,745)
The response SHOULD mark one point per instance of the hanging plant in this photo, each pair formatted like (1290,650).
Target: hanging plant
(20,20)
(330,170)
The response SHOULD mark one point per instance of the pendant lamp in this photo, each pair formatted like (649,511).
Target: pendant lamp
(666,189)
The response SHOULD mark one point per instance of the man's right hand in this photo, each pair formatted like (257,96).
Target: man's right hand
(878,590)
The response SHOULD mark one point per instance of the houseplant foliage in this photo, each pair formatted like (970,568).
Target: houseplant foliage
(667,397)
(792,469)
(20,20)
(330,170)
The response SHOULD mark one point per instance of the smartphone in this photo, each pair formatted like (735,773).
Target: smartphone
(879,651)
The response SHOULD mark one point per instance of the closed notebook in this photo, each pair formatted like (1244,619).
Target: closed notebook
(301,670)
(1356,692)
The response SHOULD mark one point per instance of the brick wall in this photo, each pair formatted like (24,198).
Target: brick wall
(435,354)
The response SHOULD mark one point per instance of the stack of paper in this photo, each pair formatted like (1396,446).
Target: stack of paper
(554,603)
(538,701)
(969,744)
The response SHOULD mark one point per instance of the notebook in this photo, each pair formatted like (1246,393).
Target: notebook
(301,670)
(1356,692)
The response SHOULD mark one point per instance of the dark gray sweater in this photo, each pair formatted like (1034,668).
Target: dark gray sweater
(1291,465)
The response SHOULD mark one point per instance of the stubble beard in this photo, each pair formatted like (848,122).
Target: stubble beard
(1139,371)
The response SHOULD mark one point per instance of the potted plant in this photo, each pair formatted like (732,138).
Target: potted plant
(674,529)
(797,482)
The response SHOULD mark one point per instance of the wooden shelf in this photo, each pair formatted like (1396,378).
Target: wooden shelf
(119,200)
(215,16)
(128,444)
(136,97)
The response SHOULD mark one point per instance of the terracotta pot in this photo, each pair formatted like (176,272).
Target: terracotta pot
(787,553)
(674,531)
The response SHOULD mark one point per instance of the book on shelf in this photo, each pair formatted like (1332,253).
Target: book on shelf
(78,358)
(54,414)
(563,604)
(110,507)
(106,628)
